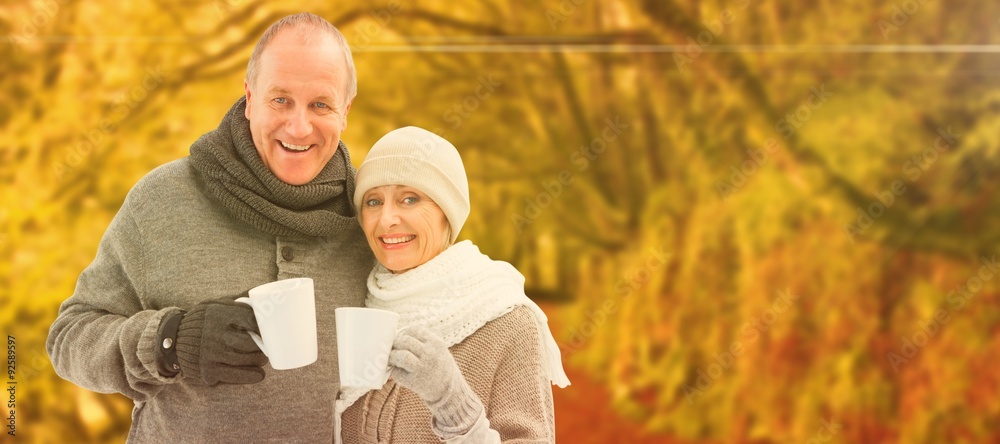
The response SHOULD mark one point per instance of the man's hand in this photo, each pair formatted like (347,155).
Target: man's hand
(213,345)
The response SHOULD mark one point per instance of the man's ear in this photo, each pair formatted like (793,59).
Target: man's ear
(246,89)
(347,109)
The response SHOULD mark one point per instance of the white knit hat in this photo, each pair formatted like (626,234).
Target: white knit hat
(423,160)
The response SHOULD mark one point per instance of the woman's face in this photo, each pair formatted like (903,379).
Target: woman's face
(404,227)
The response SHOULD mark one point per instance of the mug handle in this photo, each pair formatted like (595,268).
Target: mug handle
(256,338)
(388,372)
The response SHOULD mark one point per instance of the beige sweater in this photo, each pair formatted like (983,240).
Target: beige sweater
(503,363)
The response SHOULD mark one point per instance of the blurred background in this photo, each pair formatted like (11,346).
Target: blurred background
(748,220)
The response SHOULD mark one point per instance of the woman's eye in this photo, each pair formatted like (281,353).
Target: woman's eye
(410,200)
(372,202)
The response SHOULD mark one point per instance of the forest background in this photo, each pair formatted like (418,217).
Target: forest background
(749,221)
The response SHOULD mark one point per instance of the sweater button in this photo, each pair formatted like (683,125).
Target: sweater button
(287,254)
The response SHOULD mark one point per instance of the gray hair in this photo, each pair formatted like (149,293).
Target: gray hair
(306,21)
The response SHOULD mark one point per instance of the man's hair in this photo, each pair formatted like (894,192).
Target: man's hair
(304,21)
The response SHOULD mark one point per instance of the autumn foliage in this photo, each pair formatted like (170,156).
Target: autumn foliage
(750,221)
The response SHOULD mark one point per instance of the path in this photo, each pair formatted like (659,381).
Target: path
(584,414)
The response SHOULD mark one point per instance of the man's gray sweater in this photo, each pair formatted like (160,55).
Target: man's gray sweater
(171,245)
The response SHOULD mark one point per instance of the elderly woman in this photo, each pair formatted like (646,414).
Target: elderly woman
(474,360)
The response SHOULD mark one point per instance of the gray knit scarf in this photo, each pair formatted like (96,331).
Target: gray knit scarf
(227,162)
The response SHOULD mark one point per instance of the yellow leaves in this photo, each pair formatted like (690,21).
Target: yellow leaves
(644,328)
(92,412)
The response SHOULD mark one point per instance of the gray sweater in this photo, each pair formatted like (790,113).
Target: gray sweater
(171,245)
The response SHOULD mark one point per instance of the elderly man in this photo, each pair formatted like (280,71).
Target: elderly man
(266,196)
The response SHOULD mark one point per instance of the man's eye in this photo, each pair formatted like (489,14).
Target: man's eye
(321,105)
(280,100)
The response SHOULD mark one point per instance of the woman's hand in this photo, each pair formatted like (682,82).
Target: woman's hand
(423,364)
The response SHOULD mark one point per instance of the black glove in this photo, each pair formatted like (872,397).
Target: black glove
(213,345)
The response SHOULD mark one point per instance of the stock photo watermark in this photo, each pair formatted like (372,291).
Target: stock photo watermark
(92,139)
(899,16)
(713,29)
(459,112)
(364,33)
(655,261)
(44,12)
(562,12)
(223,7)
(750,331)
(827,430)
(12,385)
(581,158)
(927,329)
(913,169)
(787,127)
(462,109)
(19,372)
(35,366)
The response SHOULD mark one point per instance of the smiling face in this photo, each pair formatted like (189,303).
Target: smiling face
(298,106)
(404,227)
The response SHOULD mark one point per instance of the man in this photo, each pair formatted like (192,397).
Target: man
(266,196)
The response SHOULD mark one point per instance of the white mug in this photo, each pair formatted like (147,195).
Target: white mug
(364,339)
(286,314)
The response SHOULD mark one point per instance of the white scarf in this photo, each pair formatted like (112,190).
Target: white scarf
(453,295)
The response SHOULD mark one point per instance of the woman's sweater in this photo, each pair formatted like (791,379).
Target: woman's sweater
(502,362)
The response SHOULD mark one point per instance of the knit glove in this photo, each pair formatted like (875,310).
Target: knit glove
(213,346)
(423,364)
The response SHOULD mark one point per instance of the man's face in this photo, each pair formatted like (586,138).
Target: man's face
(298,107)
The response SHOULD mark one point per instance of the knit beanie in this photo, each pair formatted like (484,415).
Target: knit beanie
(423,160)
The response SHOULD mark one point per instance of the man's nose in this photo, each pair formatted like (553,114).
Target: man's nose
(298,125)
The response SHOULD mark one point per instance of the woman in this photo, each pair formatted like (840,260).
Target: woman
(474,360)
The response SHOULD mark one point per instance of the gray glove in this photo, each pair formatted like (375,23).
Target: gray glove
(423,364)
(213,345)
